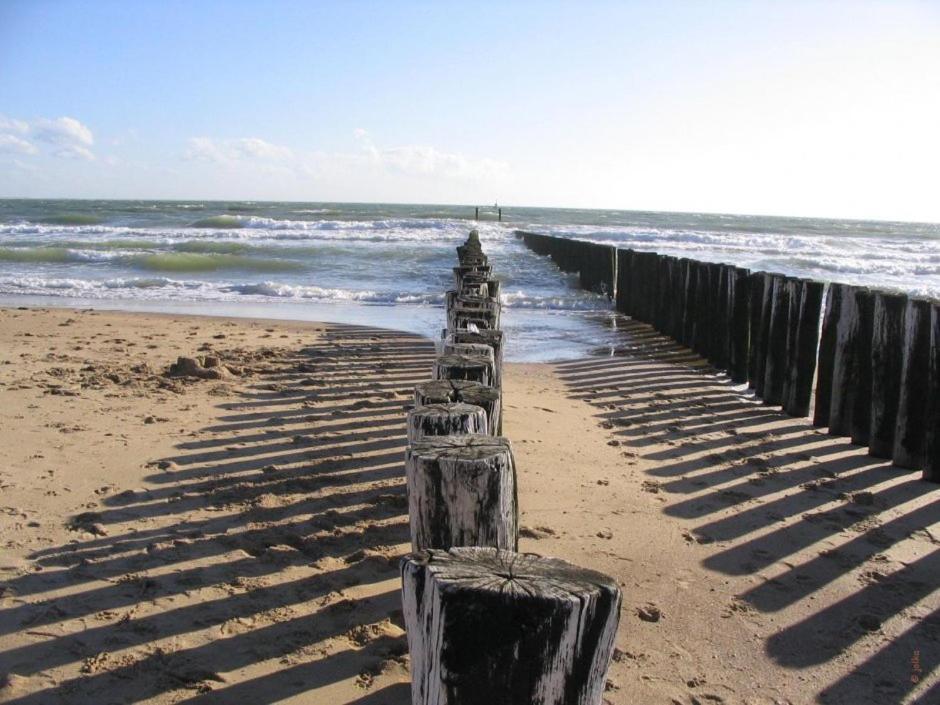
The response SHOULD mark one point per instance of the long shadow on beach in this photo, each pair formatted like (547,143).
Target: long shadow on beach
(260,562)
(764,490)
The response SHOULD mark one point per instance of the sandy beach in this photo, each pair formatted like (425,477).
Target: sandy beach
(236,538)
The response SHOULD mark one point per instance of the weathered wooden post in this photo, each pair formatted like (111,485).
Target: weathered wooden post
(490,627)
(493,338)
(445,420)
(740,324)
(912,403)
(827,354)
(844,364)
(462,492)
(860,426)
(622,301)
(887,353)
(469,350)
(448,391)
(775,367)
(472,309)
(475,369)
(756,354)
(932,420)
(804,325)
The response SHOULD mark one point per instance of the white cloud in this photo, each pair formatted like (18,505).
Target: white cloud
(424,160)
(11,144)
(65,136)
(64,131)
(236,150)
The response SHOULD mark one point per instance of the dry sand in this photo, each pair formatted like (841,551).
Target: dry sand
(236,540)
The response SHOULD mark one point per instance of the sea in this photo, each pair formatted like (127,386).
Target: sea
(389,265)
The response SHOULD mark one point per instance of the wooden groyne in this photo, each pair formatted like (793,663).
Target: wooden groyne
(865,362)
(487,624)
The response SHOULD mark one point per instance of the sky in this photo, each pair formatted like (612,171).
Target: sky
(819,108)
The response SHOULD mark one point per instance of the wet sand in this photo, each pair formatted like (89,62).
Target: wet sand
(171,540)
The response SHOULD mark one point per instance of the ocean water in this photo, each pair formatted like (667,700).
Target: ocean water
(389,265)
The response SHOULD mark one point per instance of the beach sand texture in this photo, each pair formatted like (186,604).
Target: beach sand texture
(167,540)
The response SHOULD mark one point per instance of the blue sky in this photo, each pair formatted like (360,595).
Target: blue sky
(798,108)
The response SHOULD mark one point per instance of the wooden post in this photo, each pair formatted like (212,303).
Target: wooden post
(740,328)
(480,350)
(776,362)
(756,353)
(490,627)
(860,426)
(802,364)
(462,492)
(449,391)
(932,420)
(493,338)
(471,308)
(827,354)
(912,402)
(445,420)
(843,367)
(475,369)
(622,301)
(887,352)
(476,213)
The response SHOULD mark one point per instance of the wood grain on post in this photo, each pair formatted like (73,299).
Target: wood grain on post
(887,353)
(912,402)
(490,627)
(445,420)
(462,492)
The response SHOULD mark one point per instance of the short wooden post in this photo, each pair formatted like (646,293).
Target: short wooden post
(445,420)
(912,403)
(475,369)
(462,492)
(887,352)
(470,309)
(495,627)
(493,338)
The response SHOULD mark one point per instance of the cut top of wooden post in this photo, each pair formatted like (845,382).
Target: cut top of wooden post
(444,420)
(491,626)
(477,369)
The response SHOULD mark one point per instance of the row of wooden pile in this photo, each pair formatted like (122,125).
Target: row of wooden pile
(485,623)
(871,371)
